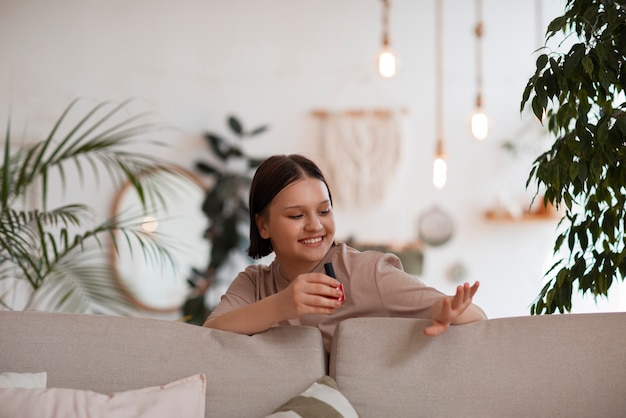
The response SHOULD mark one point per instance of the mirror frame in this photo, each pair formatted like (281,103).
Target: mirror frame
(114,257)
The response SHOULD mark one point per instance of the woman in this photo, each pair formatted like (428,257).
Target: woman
(291,214)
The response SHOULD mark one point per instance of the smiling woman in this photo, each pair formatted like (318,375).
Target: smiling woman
(314,280)
(151,286)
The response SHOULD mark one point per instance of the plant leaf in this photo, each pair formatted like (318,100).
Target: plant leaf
(235,125)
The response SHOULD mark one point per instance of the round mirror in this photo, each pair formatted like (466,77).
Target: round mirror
(151,282)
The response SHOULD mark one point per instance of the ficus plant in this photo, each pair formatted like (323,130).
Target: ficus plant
(579,94)
(225,205)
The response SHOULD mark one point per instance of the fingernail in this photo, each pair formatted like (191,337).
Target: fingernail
(342,298)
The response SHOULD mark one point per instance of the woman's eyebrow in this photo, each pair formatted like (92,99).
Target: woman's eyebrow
(323,202)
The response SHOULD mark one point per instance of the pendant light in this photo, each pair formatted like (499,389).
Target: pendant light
(479,121)
(440,167)
(386,57)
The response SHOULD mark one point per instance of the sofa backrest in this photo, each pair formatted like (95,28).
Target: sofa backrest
(544,366)
(247,376)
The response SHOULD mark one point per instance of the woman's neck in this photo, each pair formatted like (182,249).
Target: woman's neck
(291,271)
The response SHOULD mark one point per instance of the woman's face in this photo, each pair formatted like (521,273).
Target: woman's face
(300,224)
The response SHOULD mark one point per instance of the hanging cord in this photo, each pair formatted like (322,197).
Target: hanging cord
(386,6)
(478,31)
(440,151)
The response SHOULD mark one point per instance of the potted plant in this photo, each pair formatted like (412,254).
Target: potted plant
(580,93)
(226,207)
(48,256)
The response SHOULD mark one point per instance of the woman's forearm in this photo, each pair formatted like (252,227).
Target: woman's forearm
(249,319)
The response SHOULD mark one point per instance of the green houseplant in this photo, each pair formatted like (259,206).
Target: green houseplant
(225,205)
(581,94)
(49,256)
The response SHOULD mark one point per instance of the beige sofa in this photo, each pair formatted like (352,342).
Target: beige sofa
(548,366)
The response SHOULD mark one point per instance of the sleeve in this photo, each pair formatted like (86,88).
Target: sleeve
(241,292)
(402,294)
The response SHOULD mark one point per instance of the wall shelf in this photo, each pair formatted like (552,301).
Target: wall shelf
(539,214)
(529,216)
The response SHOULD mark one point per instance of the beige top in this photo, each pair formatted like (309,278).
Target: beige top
(374,284)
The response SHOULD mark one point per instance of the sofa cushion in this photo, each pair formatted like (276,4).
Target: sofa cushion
(321,399)
(23,380)
(554,365)
(184,398)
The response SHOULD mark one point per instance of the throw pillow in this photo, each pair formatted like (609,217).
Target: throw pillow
(23,380)
(321,399)
(182,398)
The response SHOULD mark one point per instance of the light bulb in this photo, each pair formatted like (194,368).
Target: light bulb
(440,172)
(387,63)
(480,125)
(148,224)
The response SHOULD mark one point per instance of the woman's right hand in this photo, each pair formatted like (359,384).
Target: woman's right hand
(310,293)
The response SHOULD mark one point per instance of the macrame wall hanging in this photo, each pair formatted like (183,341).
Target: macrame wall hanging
(360,151)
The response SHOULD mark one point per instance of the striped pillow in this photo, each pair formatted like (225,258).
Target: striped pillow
(321,399)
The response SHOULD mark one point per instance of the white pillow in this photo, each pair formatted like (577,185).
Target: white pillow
(321,399)
(182,398)
(23,380)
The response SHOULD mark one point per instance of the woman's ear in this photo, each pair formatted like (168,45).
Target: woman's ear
(262,226)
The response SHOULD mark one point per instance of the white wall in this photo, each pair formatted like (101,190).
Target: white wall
(273,61)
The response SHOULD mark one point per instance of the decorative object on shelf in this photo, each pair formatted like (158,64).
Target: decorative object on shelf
(226,201)
(54,258)
(360,151)
(457,272)
(435,227)
(387,64)
(152,287)
(440,166)
(581,92)
(479,121)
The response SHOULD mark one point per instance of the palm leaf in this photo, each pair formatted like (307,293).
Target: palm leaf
(64,255)
(80,286)
(106,148)
(54,250)
(6,168)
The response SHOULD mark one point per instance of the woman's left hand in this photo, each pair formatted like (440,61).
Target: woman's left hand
(448,310)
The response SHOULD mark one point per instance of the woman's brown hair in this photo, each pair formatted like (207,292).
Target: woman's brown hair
(273,175)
